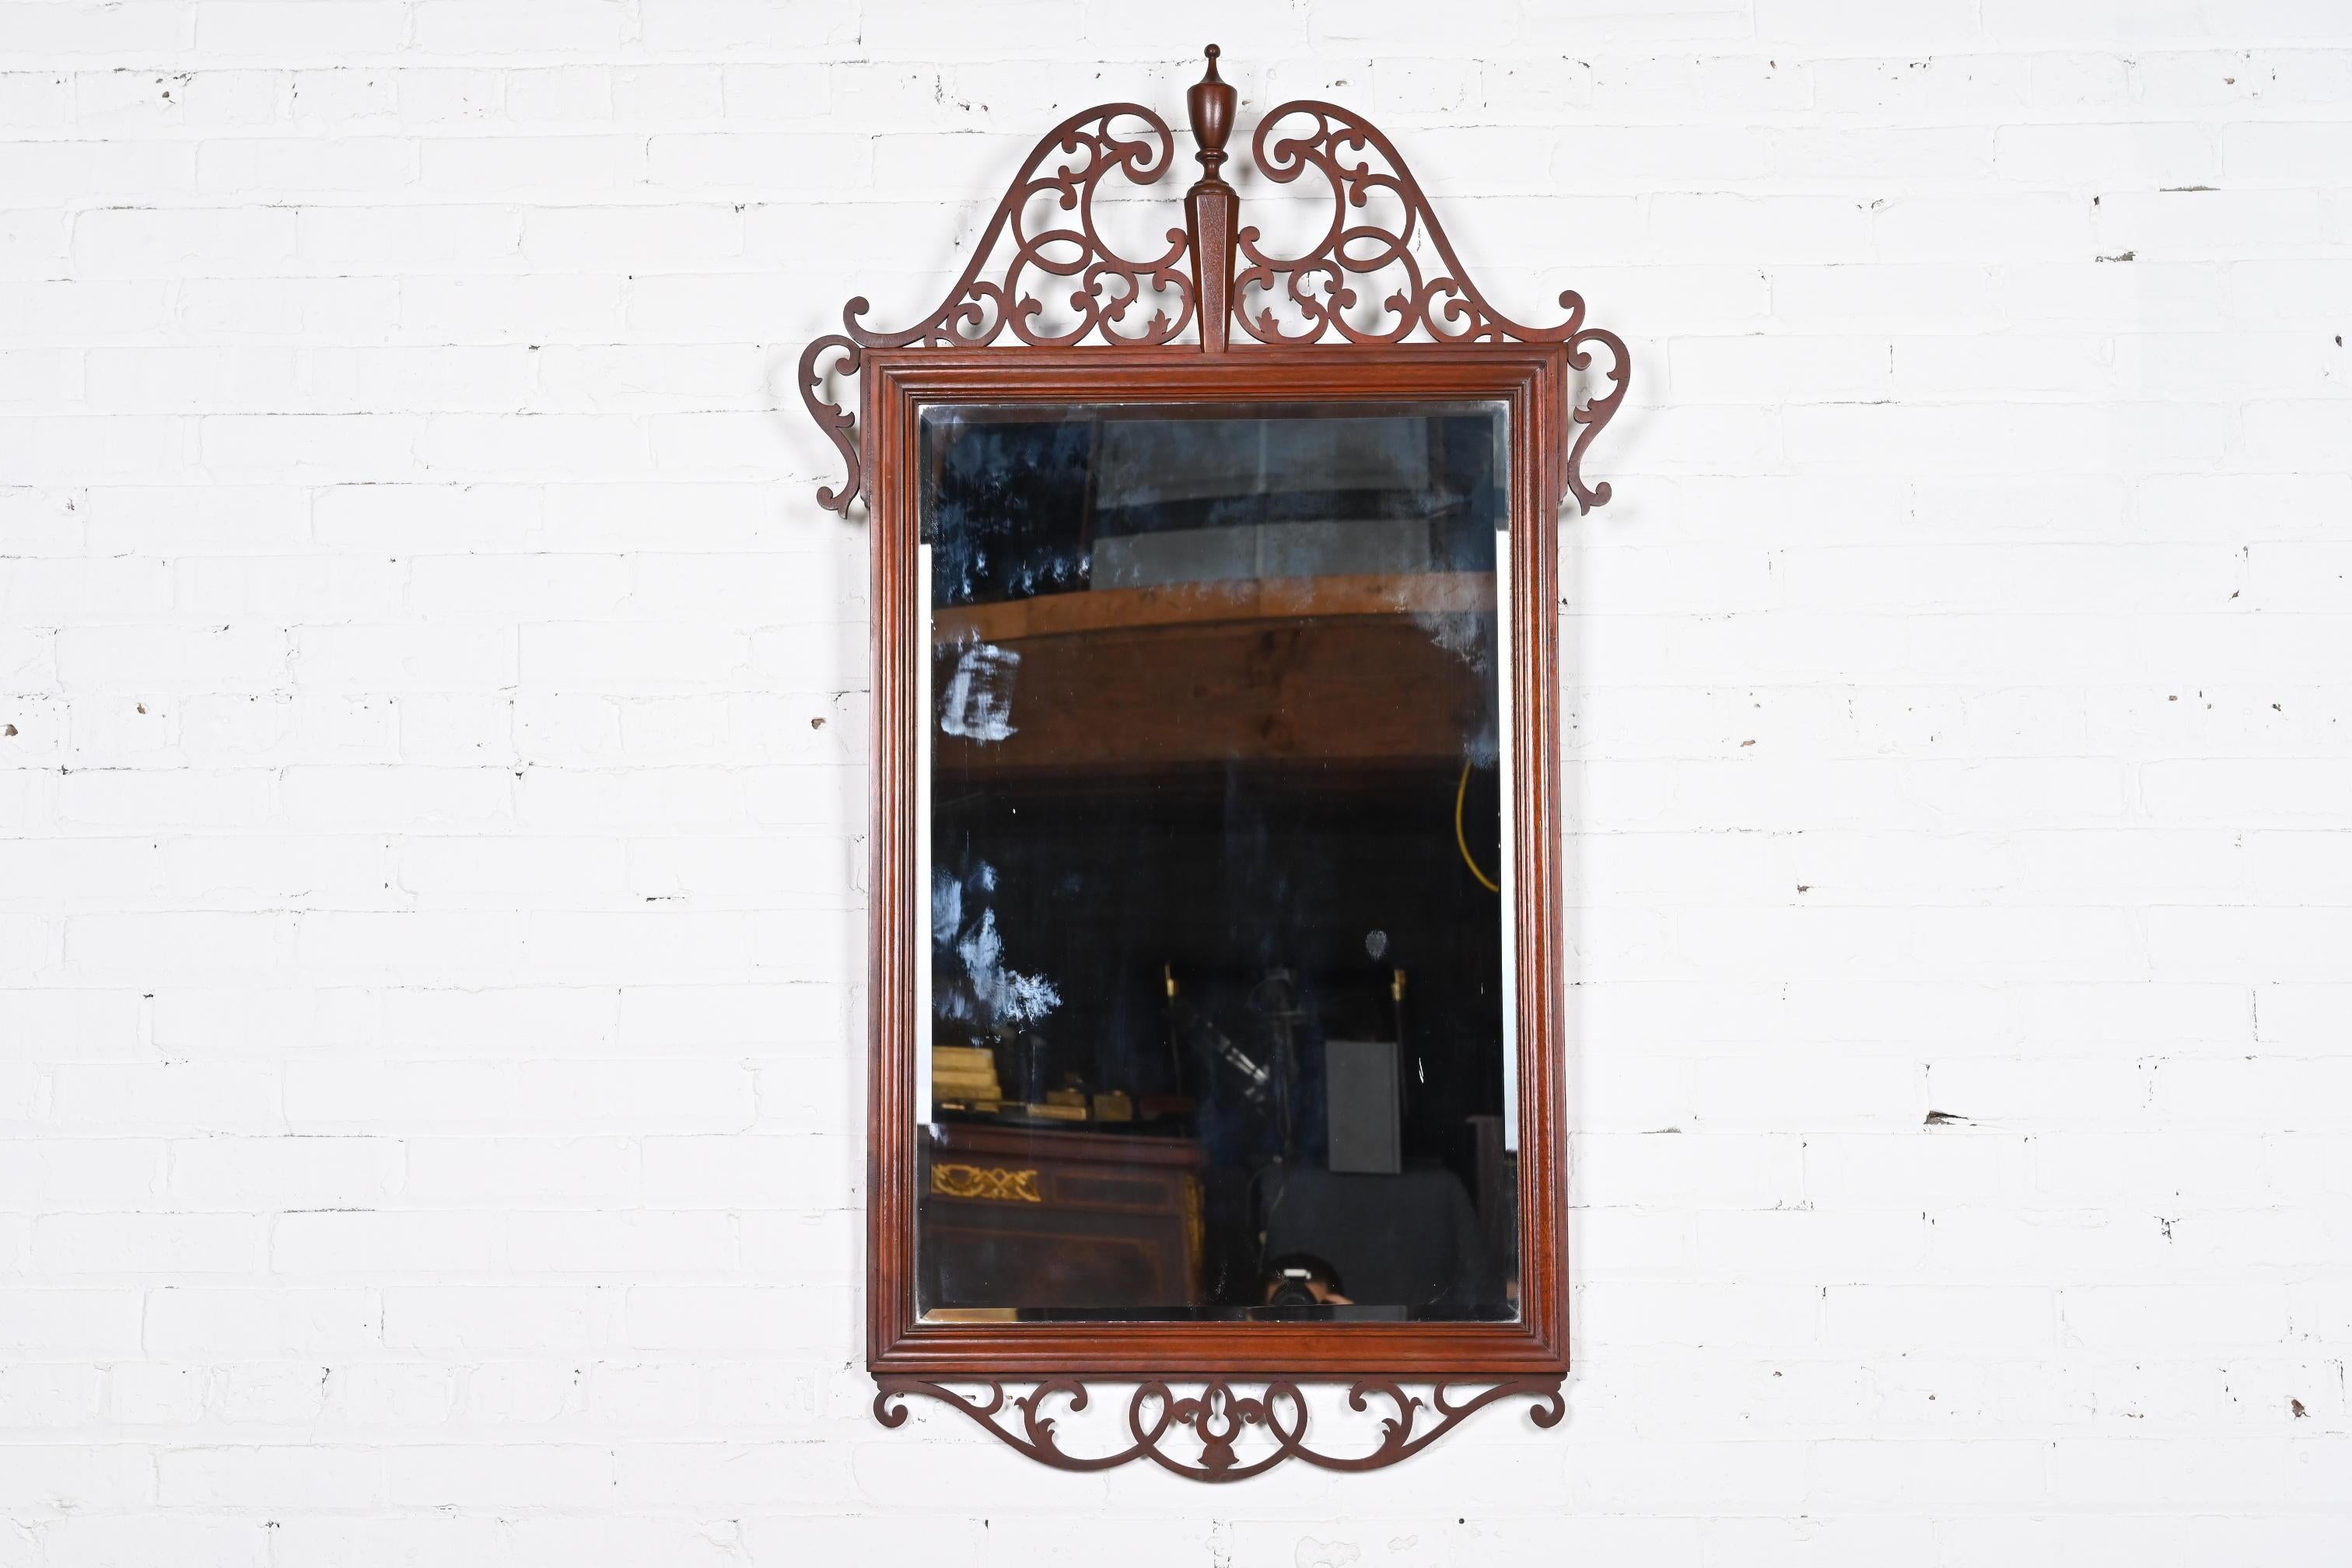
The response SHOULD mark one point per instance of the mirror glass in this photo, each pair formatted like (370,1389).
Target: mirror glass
(1219,994)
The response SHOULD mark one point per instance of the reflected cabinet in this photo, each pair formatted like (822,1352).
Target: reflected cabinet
(1216,961)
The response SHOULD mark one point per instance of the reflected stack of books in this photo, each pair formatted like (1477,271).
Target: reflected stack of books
(965,1077)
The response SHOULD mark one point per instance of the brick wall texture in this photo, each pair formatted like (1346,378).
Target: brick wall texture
(433,715)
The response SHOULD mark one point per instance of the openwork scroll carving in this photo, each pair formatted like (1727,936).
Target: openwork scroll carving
(1167,1427)
(1382,269)
(1065,173)
(1379,223)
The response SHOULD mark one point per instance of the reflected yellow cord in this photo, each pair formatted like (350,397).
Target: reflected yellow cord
(1461,793)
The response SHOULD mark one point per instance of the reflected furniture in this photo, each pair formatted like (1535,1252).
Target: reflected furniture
(1014,1216)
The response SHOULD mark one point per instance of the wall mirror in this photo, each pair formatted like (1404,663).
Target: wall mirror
(1216,959)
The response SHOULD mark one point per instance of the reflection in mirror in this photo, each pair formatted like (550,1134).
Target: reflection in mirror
(1220,988)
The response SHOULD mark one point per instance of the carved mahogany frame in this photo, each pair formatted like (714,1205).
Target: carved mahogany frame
(1476,354)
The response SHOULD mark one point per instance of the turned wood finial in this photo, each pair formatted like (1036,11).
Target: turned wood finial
(1210,103)
(1210,206)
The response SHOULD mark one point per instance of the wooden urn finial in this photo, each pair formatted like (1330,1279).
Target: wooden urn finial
(1211,206)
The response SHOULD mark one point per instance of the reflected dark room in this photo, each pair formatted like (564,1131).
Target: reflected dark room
(1220,980)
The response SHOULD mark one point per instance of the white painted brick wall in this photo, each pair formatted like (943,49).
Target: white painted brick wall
(431,791)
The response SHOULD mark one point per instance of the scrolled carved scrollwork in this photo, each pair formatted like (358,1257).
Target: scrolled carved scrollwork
(1064,175)
(1216,1420)
(1214,278)
(1381,226)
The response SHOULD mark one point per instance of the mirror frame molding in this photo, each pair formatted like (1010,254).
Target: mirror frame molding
(1475,354)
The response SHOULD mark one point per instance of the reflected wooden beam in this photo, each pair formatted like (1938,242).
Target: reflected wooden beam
(1336,670)
(1194,603)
